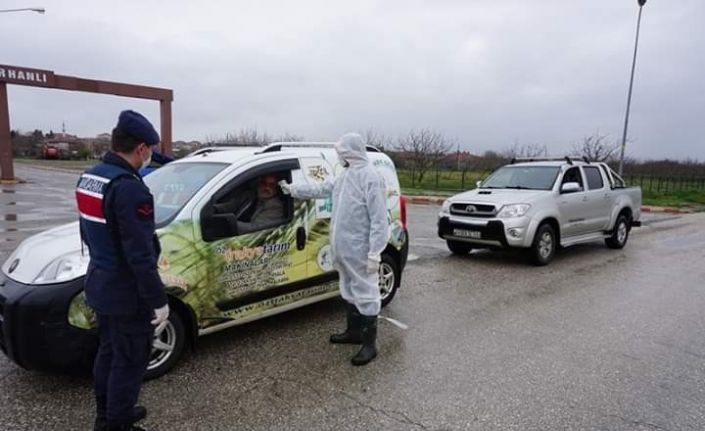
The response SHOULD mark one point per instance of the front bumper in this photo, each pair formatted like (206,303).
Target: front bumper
(488,232)
(34,329)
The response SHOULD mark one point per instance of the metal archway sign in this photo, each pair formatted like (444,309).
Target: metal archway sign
(16,75)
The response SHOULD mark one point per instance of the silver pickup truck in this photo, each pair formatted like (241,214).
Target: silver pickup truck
(539,206)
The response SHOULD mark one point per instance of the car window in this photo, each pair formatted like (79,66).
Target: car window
(594,179)
(522,177)
(572,175)
(607,174)
(174,184)
(257,204)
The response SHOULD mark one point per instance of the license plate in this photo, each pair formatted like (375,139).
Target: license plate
(467,233)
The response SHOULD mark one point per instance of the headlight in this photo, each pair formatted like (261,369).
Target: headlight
(513,210)
(445,208)
(64,268)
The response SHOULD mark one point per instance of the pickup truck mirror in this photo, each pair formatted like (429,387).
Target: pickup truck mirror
(571,188)
(218,226)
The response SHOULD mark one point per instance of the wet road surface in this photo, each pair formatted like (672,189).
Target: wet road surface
(598,340)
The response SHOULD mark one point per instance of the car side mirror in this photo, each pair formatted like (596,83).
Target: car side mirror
(478,184)
(218,226)
(571,187)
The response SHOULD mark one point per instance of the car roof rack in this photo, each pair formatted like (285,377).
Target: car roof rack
(214,149)
(567,159)
(278,146)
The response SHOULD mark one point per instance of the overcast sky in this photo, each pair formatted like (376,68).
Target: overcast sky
(487,73)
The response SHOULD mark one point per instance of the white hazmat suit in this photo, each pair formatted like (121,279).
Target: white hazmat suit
(359,226)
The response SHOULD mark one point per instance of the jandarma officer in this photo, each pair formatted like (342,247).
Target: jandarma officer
(122,284)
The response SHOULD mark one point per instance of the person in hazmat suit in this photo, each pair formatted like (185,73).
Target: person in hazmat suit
(359,234)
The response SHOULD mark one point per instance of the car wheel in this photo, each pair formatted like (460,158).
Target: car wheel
(388,279)
(458,247)
(167,348)
(620,235)
(543,249)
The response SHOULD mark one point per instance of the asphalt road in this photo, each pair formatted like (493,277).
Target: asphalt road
(598,340)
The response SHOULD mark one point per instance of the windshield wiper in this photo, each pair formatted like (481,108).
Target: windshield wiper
(521,188)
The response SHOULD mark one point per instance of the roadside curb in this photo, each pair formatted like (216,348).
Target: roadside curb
(668,210)
(425,200)
(438,200)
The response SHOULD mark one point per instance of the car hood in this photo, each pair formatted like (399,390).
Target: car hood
(36,252)
(499,197)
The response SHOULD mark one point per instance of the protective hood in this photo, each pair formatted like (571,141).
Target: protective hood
(351,149)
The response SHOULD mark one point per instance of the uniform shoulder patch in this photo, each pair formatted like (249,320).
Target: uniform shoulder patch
(145,210)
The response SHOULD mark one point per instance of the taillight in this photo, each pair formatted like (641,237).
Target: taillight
(402,205)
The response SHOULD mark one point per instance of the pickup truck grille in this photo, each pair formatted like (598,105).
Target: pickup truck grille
(473,210)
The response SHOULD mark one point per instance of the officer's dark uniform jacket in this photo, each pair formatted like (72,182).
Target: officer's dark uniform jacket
(117,224)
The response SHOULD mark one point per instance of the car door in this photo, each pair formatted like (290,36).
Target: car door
(249,266)
(598,198)
(316,171)
(572,206)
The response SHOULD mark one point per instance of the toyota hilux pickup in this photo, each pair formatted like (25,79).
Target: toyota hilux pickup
(540,206)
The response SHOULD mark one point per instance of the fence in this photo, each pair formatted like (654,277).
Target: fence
(441,180)
(665,184)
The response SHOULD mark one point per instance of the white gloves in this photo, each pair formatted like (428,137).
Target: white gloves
(160,315)
(373,264)
(286,187)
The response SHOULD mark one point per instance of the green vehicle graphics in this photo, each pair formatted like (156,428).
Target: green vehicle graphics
(243,276)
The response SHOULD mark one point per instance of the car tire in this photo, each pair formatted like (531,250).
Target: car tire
(388,279)
(168,347)
(620,234)
(544,246)
(458,247)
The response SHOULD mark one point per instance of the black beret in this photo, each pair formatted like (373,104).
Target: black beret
(136,125)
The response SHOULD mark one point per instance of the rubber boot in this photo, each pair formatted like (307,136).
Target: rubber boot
(352,334)
(369,337)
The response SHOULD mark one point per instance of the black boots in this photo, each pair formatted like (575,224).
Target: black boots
(126,427)
(353,333)
(369,338)
(138,413)
(361,330)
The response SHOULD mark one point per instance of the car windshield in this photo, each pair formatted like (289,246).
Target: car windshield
(174,184)
(522,177)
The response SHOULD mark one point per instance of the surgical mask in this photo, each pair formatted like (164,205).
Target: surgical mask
(145,163)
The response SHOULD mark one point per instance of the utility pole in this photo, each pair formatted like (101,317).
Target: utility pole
(631,85)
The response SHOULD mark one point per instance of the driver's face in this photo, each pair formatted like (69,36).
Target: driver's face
(267,187)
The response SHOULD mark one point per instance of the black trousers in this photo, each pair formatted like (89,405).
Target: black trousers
(123,354)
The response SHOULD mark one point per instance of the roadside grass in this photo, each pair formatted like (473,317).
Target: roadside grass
(678,198)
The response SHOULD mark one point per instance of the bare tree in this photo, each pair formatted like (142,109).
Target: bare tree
(597,148)
(376,139)
(423,150)
(288,137)
(250,137)
(524,150)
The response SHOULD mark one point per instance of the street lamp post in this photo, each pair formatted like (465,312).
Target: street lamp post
(631,85)
(25,9)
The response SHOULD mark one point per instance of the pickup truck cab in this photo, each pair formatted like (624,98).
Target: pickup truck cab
(221,265)
(539,206)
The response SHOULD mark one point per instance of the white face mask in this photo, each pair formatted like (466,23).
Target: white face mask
(146,163)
